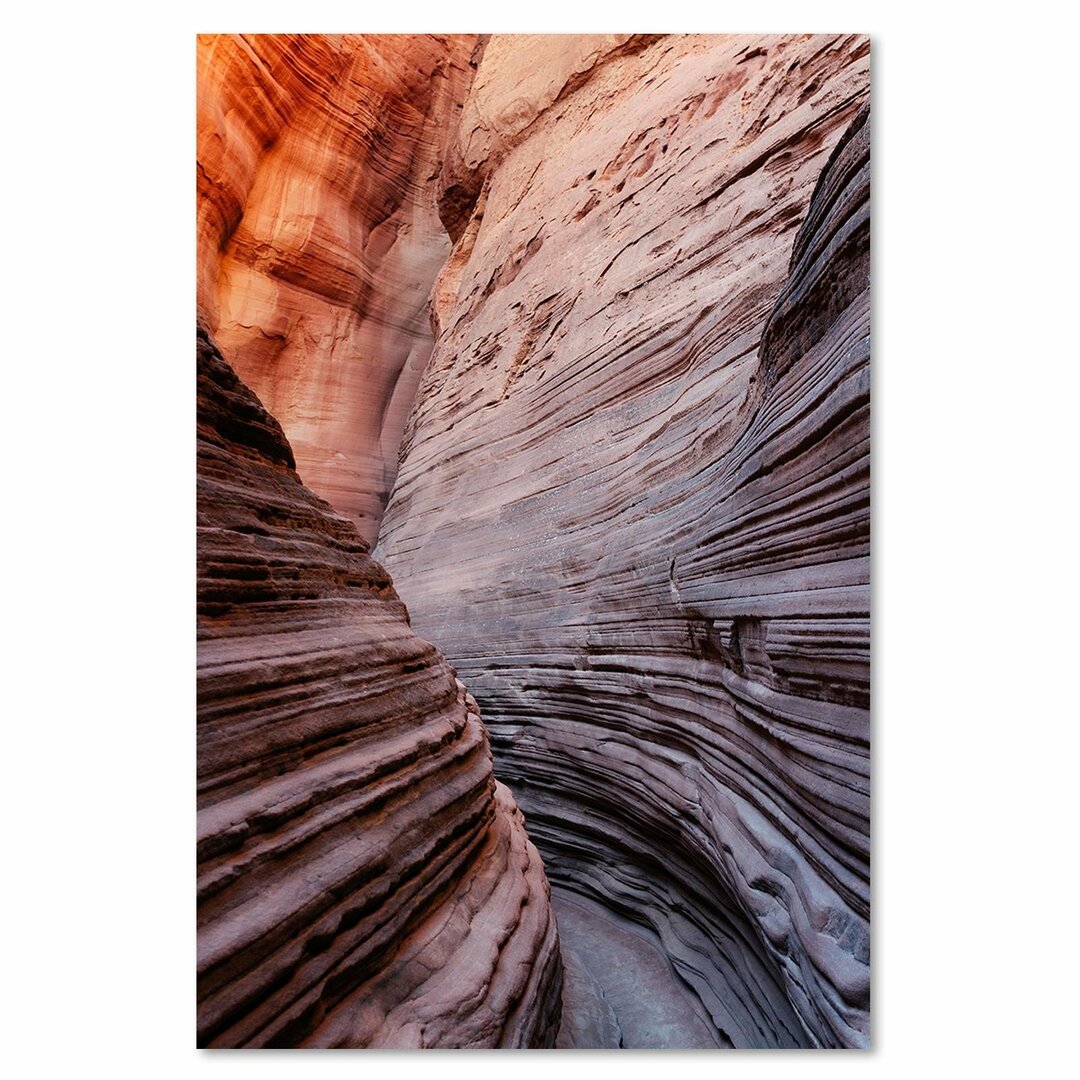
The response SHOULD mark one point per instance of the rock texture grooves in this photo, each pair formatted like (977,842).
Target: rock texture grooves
(319,235)
(633,500)
(363,880)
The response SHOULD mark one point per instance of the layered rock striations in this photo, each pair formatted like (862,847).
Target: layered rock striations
(319,235)
(633,499)
(632,508)
(362,878)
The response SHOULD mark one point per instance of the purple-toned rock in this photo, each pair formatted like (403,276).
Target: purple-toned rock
(362,878)
(633,499)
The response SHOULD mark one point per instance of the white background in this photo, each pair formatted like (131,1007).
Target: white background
(974,410)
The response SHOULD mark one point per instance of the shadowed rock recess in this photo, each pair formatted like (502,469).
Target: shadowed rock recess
(577,329)
(362,879)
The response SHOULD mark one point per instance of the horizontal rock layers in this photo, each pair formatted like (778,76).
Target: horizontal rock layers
(362,878)
(319,235)
(633,500)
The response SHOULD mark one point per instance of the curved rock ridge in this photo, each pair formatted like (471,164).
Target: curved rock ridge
(319,235)
(633,506)
(362,878)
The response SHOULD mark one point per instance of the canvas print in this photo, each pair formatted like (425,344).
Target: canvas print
(533,541)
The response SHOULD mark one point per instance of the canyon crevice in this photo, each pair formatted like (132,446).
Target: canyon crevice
(575,331)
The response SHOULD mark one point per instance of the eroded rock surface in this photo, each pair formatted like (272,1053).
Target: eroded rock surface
(363,880)
(633,501)
(619,990)
(319,235)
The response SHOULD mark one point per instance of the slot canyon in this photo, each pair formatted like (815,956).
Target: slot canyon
(533,556)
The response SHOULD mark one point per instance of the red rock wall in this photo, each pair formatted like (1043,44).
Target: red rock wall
(633,509)
(362,878)
(633,503)
(319,235)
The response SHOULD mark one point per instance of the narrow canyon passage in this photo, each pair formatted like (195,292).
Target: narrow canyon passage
(573,332)
(619,990)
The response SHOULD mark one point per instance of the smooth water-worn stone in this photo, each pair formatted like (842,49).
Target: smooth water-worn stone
(619,989)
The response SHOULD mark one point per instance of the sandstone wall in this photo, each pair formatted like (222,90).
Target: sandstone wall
(362,878)
(633,500)
(319,235)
